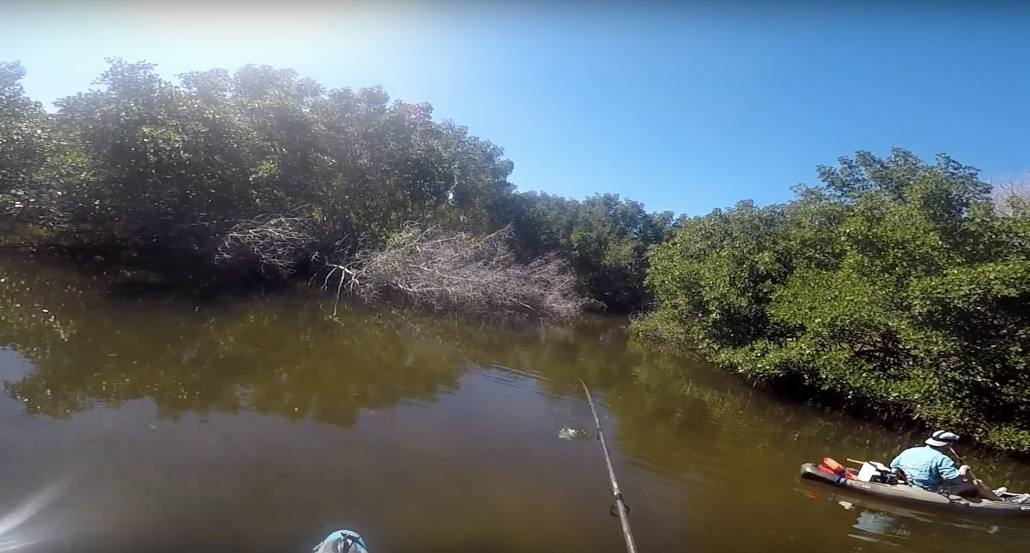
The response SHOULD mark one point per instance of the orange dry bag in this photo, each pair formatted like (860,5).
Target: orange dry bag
(837,468)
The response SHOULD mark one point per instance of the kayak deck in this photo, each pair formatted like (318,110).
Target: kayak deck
(908,494)
(341,541)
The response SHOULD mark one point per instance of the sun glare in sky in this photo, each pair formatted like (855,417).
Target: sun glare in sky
(313,39)
(659,103)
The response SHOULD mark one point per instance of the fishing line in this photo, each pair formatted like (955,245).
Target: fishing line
(568,415)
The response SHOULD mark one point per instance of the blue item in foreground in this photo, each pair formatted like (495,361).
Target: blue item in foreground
(341,541)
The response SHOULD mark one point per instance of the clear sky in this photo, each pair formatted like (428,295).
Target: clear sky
(683,109)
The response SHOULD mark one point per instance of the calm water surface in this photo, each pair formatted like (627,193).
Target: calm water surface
(131,423)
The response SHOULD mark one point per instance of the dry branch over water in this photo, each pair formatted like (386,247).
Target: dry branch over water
(441,270)
(275,242)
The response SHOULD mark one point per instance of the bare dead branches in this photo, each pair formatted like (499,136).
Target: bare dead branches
(457,271)
(278,242)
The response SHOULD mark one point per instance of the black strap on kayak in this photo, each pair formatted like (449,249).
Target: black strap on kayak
(620,508)
(343,545)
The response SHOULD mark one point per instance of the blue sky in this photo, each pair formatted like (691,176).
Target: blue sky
(683,110)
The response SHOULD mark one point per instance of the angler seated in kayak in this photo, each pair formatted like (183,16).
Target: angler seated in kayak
(928,468)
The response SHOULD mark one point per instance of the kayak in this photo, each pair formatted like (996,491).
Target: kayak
(904,493)
(341,541)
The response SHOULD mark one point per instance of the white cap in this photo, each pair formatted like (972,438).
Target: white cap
(942,438)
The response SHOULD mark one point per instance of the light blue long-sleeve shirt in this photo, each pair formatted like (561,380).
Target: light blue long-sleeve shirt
(928,468)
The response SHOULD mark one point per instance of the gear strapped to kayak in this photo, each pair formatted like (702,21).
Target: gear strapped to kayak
(878,480)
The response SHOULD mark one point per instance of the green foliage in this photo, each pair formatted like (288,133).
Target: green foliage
(142,165)
(894,285)
(183,163)
(605,238)
(25,134)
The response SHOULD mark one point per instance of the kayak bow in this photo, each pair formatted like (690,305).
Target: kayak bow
(341,541)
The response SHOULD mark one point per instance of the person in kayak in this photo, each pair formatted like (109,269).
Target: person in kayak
(928,468)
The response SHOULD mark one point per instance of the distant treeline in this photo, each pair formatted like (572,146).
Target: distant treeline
(894,285)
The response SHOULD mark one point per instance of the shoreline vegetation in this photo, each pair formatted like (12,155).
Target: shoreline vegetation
(228,178)
(893,287)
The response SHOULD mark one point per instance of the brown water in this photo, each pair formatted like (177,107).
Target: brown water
(131,423)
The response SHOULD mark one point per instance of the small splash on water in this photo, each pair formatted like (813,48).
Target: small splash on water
(569,433)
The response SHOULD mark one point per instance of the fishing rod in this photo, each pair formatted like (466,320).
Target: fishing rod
(951,449)
(620,503)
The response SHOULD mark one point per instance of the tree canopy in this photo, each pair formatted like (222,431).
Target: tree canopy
(895,284)
(195,169)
